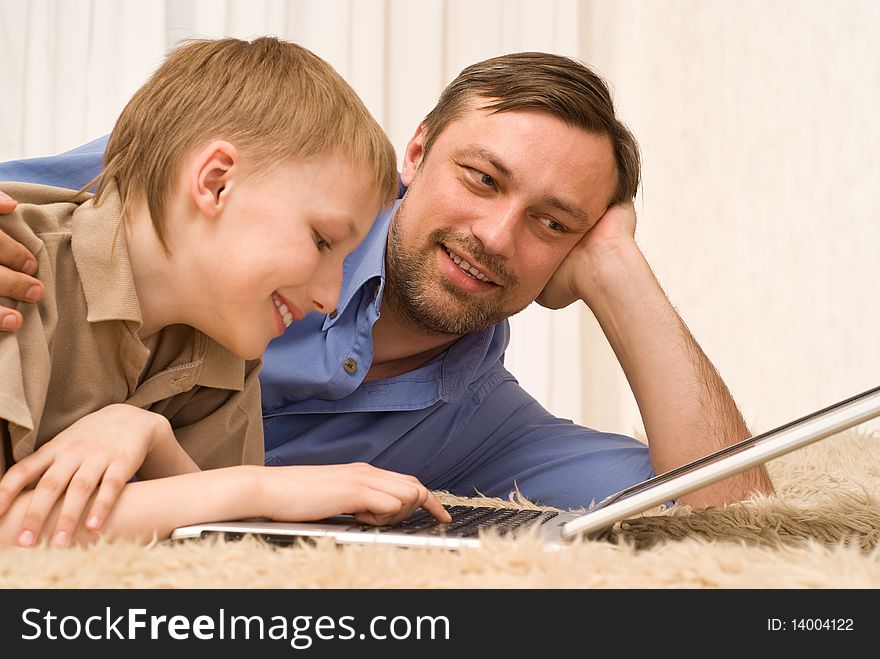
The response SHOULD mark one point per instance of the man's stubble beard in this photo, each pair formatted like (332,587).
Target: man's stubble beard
(437,306)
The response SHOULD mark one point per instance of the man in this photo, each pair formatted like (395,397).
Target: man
(518,187)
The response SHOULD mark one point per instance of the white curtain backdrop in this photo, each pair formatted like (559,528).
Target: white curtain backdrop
(757,120)
(67,67)
(760,211)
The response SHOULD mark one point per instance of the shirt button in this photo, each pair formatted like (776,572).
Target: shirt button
(333,314)
(350,366)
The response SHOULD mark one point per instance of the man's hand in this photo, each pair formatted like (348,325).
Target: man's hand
(17,266)
(576,278)
(7,204)
(685,405)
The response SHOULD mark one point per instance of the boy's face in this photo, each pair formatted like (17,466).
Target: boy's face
(279,246)
(505,197)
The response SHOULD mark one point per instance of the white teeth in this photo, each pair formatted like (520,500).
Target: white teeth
(467,267)
(286,316)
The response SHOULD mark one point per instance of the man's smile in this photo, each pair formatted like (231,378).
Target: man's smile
(461,266)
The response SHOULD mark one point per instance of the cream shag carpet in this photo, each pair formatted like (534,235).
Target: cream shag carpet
(820,530)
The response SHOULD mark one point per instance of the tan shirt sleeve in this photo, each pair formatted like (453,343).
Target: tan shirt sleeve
(218,427)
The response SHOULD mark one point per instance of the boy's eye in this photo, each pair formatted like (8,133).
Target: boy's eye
(321,242)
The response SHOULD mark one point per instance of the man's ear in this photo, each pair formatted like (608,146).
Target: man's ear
(212,174)
(412,157)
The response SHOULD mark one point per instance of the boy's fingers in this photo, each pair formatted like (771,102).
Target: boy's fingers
(379,507)
(412,494)
(47,492)
(108,493)
(438,511)
(77,495)
(20,475)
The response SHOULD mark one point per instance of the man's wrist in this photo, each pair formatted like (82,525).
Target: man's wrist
(613,273)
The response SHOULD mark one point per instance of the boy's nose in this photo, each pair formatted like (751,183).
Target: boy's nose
(325,291)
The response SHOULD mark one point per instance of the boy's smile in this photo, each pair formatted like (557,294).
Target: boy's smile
(286,311)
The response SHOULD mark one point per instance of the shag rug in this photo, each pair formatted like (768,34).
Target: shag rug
(820,530)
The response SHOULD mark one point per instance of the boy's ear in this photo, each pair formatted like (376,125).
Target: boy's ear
(412,157)
(212,175)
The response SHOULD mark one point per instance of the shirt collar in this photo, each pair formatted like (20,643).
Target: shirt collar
(103,265)
(365,263)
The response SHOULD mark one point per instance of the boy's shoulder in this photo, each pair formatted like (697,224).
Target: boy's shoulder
(41,209)
(38,194)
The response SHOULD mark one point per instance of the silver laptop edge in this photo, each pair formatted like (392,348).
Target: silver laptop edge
(566,526)
(759,449)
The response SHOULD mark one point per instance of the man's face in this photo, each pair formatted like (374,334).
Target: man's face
(490,213)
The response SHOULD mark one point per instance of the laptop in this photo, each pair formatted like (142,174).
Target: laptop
(553,527)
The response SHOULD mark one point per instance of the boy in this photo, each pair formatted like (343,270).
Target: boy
(236,181)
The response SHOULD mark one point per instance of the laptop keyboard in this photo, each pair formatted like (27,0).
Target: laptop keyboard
(468,521)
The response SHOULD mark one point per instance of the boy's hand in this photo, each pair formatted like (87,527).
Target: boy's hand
(17,266)
(372,495)
(94,457)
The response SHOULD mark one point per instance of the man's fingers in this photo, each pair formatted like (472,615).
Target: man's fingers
(15,256)
(19,285)
(7,203)
(10,320)
(17,266)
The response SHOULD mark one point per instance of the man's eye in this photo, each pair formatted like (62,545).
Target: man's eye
(481,177)
(321,242)
(553,225)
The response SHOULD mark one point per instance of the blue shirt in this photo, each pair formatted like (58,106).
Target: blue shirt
(460,423)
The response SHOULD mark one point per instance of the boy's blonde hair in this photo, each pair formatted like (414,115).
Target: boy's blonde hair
(274,100)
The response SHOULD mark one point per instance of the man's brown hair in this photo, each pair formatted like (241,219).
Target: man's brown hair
(562,86)
(274,100)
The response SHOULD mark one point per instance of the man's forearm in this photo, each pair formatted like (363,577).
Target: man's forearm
(687,409)
(156,507)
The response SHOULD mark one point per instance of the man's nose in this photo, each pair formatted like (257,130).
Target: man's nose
(497,232)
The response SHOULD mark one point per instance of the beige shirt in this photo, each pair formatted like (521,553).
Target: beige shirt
(78,349)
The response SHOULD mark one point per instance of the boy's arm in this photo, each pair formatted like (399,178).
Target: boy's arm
(152,509)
